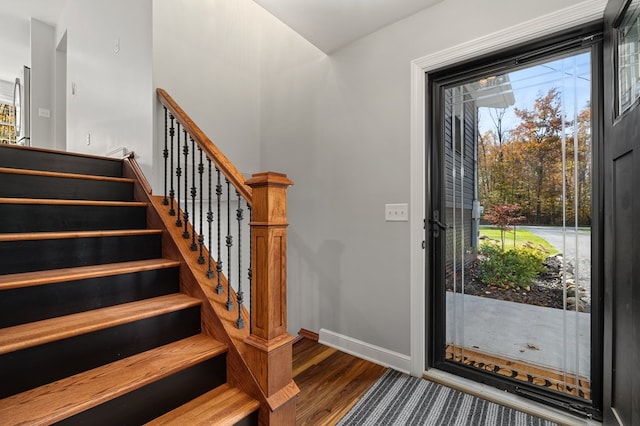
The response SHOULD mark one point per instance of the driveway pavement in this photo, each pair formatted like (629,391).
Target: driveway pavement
(565,242)
(575,248)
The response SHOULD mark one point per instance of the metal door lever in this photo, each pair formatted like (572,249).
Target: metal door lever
(439,225)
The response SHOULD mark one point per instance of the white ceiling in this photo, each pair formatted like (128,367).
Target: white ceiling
(44,10)
(332,24)
(328,24)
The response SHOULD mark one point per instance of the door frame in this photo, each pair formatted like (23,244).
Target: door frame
(622,141)
(545,25)
(570,42)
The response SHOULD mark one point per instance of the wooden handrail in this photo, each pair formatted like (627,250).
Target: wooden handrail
(140,176)
(210,149)
(266,351)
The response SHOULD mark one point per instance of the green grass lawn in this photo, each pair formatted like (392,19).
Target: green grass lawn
(522,236)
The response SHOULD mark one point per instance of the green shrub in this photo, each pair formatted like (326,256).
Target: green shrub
(516,267)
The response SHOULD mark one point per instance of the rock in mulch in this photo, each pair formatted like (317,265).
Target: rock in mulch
(546,290)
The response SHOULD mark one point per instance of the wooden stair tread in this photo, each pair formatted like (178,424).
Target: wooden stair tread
(66,153)
(225,405)
(40,332)
(76,234)
(29,172)
(52,276)
(56,401)
(52,201)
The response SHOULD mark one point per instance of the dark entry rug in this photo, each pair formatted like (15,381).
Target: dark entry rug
(400,399)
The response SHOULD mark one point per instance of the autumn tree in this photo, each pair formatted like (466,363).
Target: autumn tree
(524,165)
(505,217)
(538,138)
(578,170)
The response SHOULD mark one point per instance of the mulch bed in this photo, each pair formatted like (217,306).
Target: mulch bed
(546,289)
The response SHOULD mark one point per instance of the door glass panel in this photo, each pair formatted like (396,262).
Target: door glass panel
(629,57)
(517,178)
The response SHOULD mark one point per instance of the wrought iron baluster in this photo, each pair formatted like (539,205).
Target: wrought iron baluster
(194,193)
(185,214)
(209,220)
(178,175)
(165,155)
(229,246)
(200,235)
(239,217)
(219,288)
(172,193)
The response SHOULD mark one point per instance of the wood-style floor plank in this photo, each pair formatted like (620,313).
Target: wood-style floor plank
(330,382)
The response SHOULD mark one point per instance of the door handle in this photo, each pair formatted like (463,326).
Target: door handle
(438,225)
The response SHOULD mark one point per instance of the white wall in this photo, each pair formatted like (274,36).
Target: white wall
(60,89)
(340,128)
(42,84)
(206,56)
(14,45)
(109,62)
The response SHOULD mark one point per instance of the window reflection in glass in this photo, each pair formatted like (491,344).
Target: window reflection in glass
(629,57)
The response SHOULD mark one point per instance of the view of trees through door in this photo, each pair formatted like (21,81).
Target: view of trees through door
(514,219)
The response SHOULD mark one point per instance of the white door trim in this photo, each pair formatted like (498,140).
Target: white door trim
(573,16)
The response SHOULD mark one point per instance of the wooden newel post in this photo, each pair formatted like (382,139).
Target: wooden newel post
(269,345)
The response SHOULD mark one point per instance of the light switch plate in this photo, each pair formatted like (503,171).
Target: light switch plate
(396,212)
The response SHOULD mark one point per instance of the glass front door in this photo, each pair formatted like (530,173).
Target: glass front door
(512,226)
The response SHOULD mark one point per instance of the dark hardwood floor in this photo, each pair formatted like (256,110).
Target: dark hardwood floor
(330,382)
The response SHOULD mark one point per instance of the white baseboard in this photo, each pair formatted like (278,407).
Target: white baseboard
(365,350)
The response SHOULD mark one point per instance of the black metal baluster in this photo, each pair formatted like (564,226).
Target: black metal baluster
(165,154)
(219,288)
(209,220)
(229,245)
(250,270)
(178,175)
(172,193)
(200,235)
(194,193)
(239,217)
(185,214)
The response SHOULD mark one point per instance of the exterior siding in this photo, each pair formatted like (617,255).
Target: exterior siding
(459,145)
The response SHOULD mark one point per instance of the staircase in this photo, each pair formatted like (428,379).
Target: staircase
(94,328)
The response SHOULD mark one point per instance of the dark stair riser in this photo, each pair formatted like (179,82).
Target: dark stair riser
(58,162)
(33,367)
(155,399)
(18,218)
(39,255)
(57,187)
(250,420)
(27,304)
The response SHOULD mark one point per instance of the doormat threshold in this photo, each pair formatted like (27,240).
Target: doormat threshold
(535,374)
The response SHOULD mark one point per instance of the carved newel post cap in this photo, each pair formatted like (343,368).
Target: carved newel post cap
(268,178)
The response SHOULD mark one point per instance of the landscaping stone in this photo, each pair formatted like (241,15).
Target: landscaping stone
(545,290)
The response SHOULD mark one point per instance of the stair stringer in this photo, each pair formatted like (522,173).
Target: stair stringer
(217,321)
